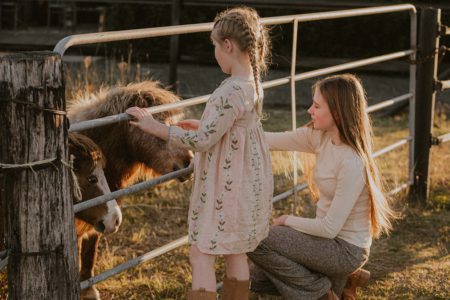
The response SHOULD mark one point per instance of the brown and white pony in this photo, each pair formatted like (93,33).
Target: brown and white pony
(90,180)
(130,152)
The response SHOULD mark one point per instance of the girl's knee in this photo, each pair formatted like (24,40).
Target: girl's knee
(196,257)
(235,257)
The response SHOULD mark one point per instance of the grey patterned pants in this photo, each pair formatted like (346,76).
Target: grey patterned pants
(296,265)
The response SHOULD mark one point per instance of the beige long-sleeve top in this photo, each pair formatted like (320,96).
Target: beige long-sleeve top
(343,206)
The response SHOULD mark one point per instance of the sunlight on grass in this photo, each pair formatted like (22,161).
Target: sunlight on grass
(403,265)
(412,263)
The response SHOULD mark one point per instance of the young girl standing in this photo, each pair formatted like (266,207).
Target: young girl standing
(321,257)
(230,205)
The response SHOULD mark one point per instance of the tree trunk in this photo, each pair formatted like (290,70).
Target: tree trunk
(39,211)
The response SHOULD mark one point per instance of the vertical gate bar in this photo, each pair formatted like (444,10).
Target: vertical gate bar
(412,90)
(294,105)
(174,45)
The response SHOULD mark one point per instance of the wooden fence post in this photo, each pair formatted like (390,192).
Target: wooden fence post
(40,229)
(425,98)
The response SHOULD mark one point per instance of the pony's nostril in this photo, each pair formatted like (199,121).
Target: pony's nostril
(175,168)
(117,222)
(100,227)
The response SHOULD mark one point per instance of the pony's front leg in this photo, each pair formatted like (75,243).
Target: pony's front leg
(88,257)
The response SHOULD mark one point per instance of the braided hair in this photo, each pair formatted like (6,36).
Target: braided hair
(242,25)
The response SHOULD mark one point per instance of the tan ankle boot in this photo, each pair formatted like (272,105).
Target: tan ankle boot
(201,294)
(234,289)
(356,279)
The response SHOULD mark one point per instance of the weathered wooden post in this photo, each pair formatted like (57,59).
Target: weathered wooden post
(425,98)
(2,215)
(33,153)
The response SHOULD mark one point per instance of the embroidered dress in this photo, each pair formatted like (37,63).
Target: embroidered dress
(231,200)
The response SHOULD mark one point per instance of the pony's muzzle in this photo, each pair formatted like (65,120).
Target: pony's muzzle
(113,219)
(186,163)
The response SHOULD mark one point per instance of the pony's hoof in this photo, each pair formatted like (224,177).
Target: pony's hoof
(90,293)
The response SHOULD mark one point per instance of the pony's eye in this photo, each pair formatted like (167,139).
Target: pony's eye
(92,179)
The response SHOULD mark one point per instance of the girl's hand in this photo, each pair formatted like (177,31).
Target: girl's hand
(145,120)
(280,221)
(189,124)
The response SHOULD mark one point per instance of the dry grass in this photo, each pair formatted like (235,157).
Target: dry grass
(412,263)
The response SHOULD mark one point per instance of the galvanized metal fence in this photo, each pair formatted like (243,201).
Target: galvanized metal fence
(84,39)
(70,41)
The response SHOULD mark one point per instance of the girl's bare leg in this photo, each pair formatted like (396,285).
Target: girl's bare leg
(237,266)
(203,273)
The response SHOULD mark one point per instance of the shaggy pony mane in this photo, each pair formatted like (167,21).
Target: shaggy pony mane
(115,100)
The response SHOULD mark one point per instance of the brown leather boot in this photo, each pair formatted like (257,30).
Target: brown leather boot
(330,295)
(357,279)
(234,289)
(201,294)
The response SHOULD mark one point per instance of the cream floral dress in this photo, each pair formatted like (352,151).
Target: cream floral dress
(232,192)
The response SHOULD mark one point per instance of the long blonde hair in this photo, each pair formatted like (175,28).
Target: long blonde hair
(243,26)
(347,102)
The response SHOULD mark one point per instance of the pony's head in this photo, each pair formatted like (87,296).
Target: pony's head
(88,166)
(127,148)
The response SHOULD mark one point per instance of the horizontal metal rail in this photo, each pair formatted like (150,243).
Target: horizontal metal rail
(443,85)
(162,250)
(3,263)
(3,258)
(352,65)
(444,138)
(284,195)
(150,183)
(388,103)
(268,84)
(80,126)
(181,242)
(134,262)
(391,147)
(131,190)
(3,253)
(398,189)
(114,36)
